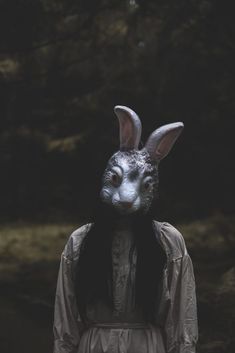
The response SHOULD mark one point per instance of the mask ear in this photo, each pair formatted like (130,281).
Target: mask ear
(161,140)
(130,128)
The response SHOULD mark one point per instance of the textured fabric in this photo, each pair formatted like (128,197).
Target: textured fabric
(176,330)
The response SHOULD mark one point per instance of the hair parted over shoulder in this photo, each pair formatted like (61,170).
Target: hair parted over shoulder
(128,189)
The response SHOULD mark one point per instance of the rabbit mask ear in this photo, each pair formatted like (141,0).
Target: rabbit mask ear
(161,140)
(130,128)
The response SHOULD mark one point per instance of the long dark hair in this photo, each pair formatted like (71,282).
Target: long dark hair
(94,268)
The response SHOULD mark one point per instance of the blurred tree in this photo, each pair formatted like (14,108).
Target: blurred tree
(65,64)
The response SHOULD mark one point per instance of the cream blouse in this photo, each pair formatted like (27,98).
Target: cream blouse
(123,330)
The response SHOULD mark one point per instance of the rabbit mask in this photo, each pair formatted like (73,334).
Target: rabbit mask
(130,179)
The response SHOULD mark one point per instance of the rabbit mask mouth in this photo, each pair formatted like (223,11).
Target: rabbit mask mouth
(130,182)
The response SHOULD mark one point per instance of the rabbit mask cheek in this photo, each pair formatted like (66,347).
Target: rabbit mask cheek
(130,182)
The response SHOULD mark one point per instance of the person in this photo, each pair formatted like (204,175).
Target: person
(126,281)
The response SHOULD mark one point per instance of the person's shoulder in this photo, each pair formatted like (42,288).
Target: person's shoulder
(171,239)
(72,247)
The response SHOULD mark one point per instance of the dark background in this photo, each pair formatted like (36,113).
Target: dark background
(64,65)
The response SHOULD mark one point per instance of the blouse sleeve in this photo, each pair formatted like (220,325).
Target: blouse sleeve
(180,326)
(67,324)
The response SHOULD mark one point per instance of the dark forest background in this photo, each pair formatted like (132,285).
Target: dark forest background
(64,65)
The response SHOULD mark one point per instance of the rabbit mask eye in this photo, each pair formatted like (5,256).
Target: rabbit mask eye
(147,183)
(115,179)
(116,176)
